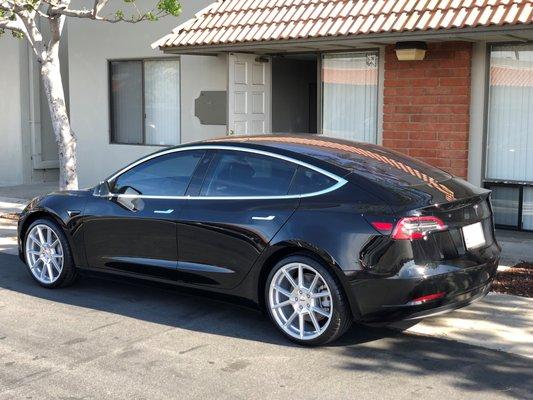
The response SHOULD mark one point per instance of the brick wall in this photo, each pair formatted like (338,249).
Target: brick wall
(426,105)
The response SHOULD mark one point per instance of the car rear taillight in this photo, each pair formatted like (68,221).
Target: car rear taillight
(413,228)
(426,298)
(382,226)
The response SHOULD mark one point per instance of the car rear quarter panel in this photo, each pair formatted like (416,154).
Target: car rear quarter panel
(331,227)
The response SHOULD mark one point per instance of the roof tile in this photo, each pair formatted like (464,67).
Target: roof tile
(245,21)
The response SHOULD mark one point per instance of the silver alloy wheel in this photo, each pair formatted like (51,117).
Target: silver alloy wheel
(300,301)
(44,254)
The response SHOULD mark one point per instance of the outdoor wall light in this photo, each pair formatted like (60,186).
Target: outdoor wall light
(411,51)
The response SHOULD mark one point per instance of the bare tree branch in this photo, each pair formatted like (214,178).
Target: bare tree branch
(12,25)
(33,34)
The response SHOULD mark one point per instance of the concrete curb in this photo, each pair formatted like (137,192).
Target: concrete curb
(500,322)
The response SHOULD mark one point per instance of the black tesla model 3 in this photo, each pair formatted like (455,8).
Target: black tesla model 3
(319,232)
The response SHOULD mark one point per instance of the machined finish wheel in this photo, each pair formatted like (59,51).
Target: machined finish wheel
(47,254)
(44,254)
(300,301)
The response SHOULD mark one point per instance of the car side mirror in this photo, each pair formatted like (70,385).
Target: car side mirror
(102,189)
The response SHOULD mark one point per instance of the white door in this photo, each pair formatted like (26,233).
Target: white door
(249,91)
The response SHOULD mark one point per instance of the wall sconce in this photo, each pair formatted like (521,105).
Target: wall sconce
(411,51)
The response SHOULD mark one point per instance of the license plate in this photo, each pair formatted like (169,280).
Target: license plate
(474,235)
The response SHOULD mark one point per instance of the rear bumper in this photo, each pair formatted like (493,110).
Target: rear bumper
(387,299)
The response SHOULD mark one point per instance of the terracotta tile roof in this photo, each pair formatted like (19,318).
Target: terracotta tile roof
(245,21)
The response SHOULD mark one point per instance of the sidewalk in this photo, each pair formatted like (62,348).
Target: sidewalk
(499,321)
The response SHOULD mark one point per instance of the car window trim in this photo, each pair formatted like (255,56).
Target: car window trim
(112,181)
(340,181)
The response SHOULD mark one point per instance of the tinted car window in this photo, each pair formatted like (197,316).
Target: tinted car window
(167,175)
(376,163)
(238,173)
(308,181)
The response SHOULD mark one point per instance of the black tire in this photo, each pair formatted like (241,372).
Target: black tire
(69,274)
(341,318)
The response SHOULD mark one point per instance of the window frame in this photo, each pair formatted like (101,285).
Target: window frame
(110,61)
(485,181)
(209,150)
(379,87)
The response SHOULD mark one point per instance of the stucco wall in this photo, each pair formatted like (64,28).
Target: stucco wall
(11,171)
(91,44)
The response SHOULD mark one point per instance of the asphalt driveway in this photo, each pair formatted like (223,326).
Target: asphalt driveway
(107,338)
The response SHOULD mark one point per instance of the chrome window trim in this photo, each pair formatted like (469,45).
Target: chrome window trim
(340,181)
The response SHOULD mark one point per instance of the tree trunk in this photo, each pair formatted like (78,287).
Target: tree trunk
(65,138)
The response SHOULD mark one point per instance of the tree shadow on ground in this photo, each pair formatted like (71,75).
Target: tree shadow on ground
(372,350)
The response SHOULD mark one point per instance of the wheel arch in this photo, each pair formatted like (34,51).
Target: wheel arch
(44,214)
(291,249)
(34,216)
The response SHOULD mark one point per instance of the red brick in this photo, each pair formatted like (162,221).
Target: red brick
(459,145)
(425,100)
(425,135)
(393,117)
(457,81)
(396,144)
(455,99)
(422,144)
(397,100)
(446,72)
(454,154)
(453,136)
(425,82)
(422,118)
(427,105)
(465,118)
(421,153)
(441,162)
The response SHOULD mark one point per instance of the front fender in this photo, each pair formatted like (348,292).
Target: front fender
(56,206)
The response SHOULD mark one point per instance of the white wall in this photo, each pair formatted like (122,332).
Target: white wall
(11,171)
(91,45)
(477,113)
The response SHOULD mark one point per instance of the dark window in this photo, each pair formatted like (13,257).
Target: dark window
(237,173)
(145,102)
(167,175)
(309,181)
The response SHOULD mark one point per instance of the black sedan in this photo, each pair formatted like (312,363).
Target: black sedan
(319,232)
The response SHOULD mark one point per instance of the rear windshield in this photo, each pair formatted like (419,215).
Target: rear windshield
(375,162)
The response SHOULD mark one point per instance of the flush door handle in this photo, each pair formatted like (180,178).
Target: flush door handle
(169,211)
(269,218)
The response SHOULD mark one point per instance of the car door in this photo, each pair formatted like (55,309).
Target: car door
(134,229)
(229,221)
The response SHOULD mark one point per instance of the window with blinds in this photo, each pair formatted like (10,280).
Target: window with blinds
(350,95)
(145,102)
(510,116)
(509,157)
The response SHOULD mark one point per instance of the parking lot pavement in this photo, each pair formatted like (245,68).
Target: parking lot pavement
(110,338)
